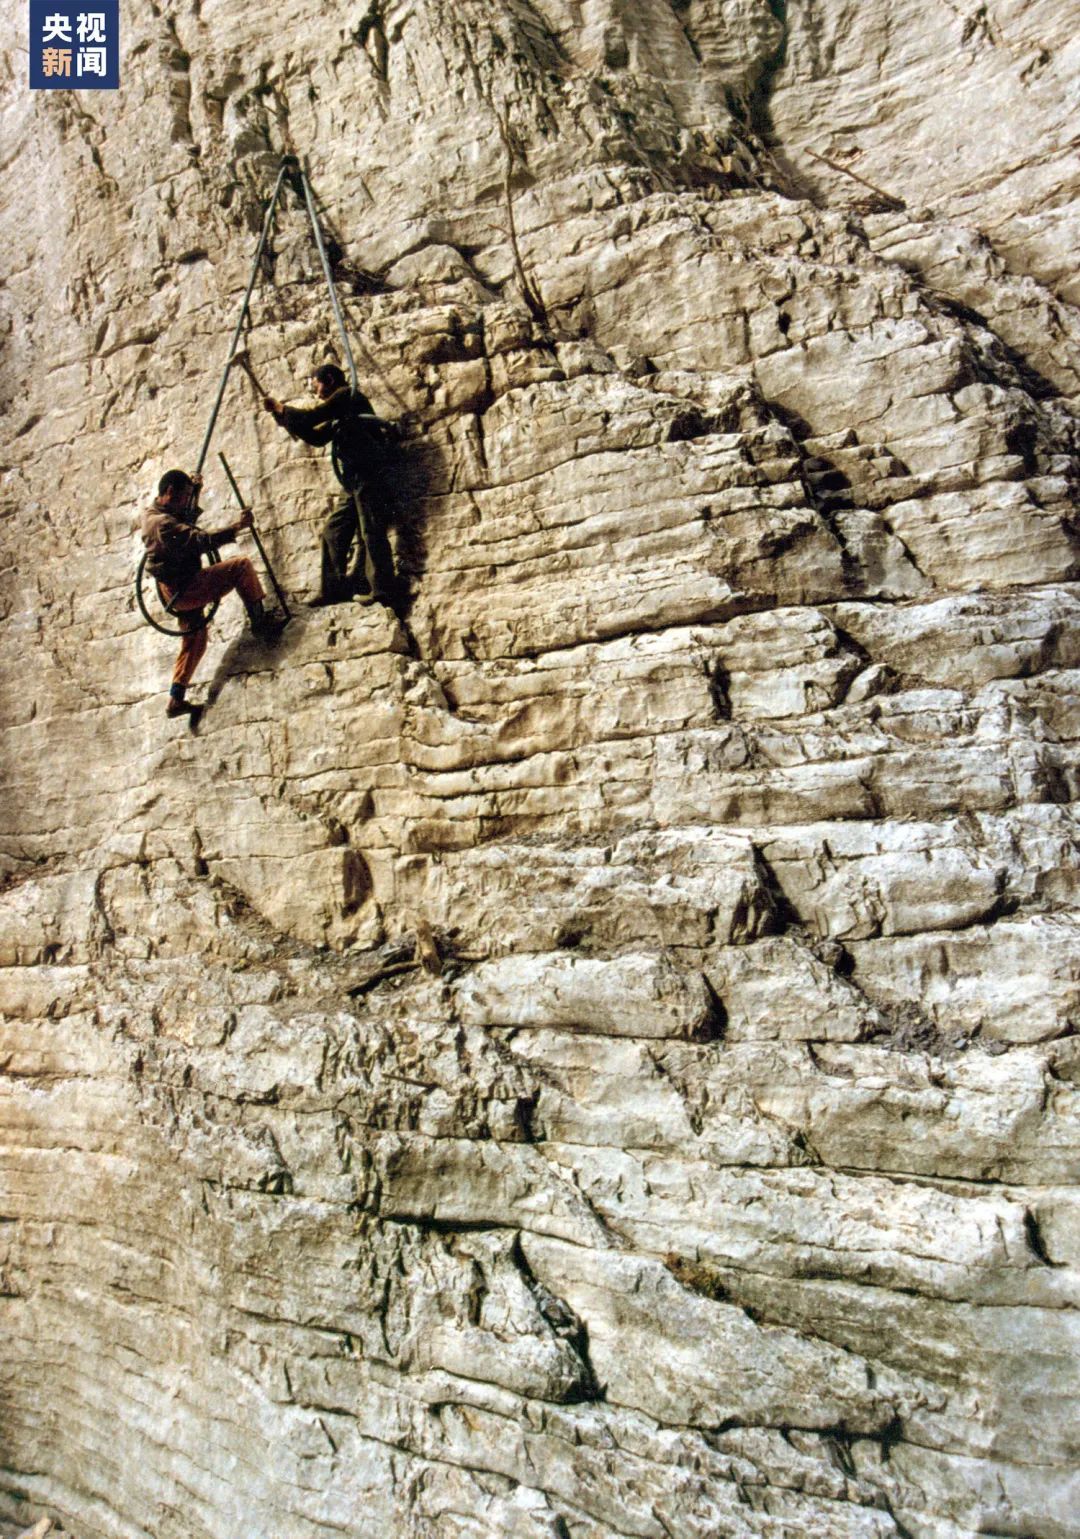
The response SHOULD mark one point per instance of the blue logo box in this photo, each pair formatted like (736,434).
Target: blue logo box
(74,45)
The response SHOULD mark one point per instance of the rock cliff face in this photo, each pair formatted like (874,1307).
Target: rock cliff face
(717,1173)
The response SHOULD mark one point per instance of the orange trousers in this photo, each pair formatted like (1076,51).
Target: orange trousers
(211,584)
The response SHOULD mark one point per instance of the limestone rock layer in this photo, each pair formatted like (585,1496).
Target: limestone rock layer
(594,1057)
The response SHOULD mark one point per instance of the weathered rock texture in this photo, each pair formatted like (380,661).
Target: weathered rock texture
(724,1180)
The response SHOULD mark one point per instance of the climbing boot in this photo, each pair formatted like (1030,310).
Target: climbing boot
(180,707)
(266,626)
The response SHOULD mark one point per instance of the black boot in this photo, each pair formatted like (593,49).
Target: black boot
(265,624)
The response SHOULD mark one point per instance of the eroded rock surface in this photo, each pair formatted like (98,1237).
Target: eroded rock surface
(598,1057)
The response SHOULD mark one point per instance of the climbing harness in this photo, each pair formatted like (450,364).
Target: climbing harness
(292,173)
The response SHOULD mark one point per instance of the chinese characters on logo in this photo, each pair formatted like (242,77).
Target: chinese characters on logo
(74,45)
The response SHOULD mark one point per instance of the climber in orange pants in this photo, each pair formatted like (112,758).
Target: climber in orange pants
(175,548)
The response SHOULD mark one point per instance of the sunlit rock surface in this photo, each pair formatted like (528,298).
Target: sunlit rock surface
(596,1058)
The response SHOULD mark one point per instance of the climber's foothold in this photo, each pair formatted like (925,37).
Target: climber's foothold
(427,952)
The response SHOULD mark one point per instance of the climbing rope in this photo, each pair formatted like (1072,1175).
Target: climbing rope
(293,173)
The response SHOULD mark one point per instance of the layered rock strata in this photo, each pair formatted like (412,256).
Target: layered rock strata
(595,1057)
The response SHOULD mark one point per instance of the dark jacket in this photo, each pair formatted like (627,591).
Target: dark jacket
(358,438)
(175,548)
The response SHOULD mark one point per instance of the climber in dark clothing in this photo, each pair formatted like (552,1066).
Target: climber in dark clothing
(357,437)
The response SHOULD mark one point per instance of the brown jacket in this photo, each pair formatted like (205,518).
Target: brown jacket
(175,548)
